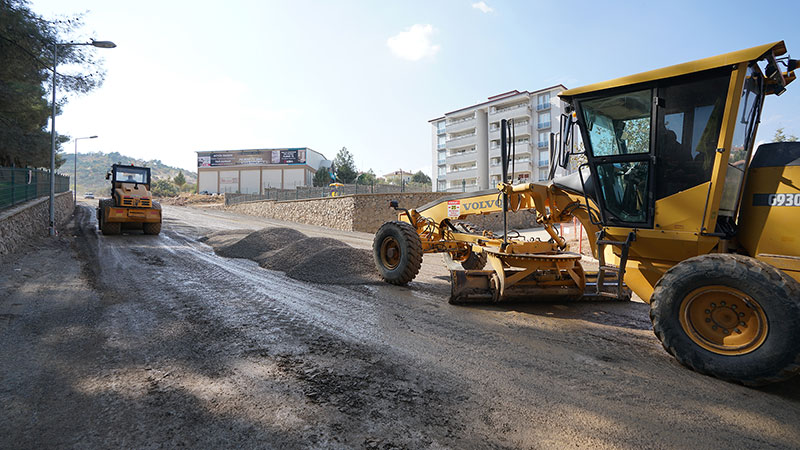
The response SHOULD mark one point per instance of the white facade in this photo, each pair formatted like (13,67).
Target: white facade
(254,171)
(466,142)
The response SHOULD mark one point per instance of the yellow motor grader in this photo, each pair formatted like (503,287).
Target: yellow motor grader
(677,205)
(131,204)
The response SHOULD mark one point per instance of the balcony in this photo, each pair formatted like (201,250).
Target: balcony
(542,144)
(464,123)
(522,111)
(542,125)
(471,172)
(467,140)
(543,106)
(462,157)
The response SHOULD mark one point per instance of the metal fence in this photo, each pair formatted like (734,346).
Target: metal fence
(20,185)
(305,192)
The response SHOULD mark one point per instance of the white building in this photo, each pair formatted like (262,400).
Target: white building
(253,171)
(466,142)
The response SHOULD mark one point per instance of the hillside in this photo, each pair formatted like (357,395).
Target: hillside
(92,168)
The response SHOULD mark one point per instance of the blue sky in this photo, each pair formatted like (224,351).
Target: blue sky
(203,75)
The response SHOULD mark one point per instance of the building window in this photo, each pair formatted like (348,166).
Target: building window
(543,174)
(442,170)
(543,101)
(544,139)
(440,128)
(544,120)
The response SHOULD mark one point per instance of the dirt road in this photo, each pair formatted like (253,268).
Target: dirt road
(154,341)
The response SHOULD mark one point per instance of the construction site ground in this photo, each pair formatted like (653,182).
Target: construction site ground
(139,341)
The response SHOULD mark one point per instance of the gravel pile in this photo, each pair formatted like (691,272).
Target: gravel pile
(224,238)
(260,242)
(313,259)
(337,265)
(287,257)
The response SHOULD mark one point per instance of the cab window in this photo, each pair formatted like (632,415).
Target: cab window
(620,124)
(687,131)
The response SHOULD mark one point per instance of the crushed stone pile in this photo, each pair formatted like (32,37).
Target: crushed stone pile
(337,265)
(225,237)
(313,259)
(259,242)
(287,257)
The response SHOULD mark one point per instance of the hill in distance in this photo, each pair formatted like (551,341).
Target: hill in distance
(92,168)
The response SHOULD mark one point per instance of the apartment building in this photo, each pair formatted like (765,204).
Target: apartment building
(466,142)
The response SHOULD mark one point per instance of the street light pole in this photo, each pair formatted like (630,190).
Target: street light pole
(75,171)
(99,44)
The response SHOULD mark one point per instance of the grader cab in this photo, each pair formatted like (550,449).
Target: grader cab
(131,205)
(678,206)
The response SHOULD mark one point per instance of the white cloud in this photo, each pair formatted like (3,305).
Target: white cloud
(414,43)
(483,7)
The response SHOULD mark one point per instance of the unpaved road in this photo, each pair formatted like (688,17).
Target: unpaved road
(146,342)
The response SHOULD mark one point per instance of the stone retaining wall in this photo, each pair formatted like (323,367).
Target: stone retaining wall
(30,219)
(365,212)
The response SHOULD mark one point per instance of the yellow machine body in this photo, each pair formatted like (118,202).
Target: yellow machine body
(678,226)
(678,207)
(768,229)
(131,203)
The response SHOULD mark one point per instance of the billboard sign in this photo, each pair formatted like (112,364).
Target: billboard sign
(253,158)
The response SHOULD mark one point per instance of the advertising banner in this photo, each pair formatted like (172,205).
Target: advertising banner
(253,158)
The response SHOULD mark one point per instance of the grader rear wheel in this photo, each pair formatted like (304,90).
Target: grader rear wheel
(730,316)
(397,251)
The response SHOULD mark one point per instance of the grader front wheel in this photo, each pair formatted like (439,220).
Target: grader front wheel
(730,316)
(397,251)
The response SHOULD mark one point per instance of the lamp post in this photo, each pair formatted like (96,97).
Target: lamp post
(75,171)
(99,44)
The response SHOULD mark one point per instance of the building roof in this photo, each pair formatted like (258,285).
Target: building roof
(497,97)
(699,65)
(396,173)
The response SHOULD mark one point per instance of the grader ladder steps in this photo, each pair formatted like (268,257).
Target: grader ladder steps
(609,275)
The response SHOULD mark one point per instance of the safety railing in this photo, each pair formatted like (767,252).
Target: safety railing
(310,192)
(19,185)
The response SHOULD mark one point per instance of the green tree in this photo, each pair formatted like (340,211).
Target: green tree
(179,179)
(26,46)
(781,137)
(420,177)
(321,178)
(164,188)
(367,177)
(345,167)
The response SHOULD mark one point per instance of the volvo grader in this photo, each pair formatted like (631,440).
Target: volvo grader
(131,205)
(678,206)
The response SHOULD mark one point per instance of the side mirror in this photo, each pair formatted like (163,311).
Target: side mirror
(394,204)
(108,175)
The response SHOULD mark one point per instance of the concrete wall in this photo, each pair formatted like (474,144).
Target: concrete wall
(22,222)
(363,212)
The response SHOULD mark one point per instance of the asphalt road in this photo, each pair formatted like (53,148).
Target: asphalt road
(155,341)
